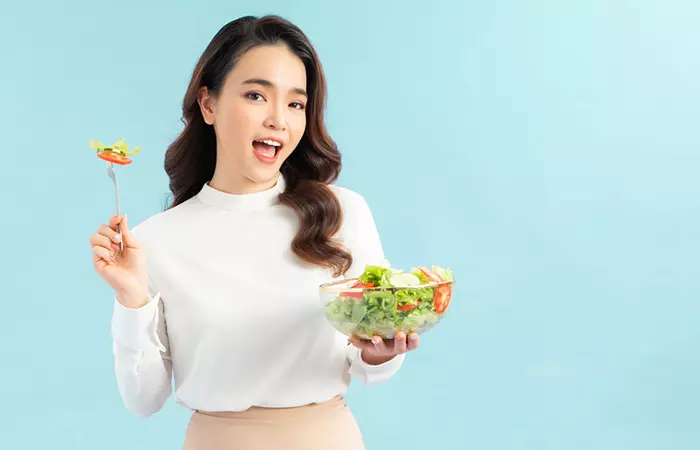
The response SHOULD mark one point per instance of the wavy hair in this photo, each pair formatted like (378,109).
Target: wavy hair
(315,163)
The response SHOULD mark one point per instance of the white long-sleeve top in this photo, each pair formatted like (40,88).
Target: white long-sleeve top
(234,317)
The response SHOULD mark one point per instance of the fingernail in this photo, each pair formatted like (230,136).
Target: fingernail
(376,340)
(117,238)
(414,336)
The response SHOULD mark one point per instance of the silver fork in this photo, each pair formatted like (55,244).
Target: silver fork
(113,175)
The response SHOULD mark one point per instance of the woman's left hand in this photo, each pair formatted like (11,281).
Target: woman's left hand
(378,351)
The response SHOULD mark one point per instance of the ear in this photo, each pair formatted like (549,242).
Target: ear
(206,105)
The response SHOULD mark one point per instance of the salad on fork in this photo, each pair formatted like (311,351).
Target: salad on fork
(117,153)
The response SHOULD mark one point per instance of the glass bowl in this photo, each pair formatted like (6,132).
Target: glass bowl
(353,308)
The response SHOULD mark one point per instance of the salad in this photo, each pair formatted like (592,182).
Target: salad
(383,301)
(117,153)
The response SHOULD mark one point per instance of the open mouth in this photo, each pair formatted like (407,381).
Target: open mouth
(267,149)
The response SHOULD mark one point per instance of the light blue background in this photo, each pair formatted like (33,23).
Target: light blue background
(547,151)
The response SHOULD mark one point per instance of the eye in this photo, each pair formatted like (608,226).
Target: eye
(297,105)
(254,96)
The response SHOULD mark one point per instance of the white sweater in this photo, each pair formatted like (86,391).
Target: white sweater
(235,317)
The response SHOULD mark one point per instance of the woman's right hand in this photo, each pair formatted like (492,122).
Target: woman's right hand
(125,271)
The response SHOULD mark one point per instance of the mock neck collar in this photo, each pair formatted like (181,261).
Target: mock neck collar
(224,200)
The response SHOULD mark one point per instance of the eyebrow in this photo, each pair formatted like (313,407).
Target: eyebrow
(270,84)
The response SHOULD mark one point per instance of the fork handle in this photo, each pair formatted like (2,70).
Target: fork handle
(121,242)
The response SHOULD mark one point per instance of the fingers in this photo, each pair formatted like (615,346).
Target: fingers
(400,344)
(129,239)
(107,239)
(361,343)
(110,233)
(376,344)
(380,346)
(103,241)
(101,256)
(114,221)
(413,341)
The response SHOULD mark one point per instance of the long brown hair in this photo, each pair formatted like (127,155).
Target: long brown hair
(315,163)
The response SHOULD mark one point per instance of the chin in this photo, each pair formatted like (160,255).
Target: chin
(265,175)
(265,171)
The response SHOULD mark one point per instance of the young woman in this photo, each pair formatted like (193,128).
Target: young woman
(227,302)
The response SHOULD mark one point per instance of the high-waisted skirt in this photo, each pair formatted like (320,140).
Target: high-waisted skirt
(322,426)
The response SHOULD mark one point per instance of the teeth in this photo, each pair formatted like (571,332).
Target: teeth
(269,142)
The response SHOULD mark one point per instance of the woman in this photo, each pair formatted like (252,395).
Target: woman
(227,302)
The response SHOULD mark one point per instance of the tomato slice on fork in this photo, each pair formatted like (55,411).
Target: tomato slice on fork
(114,157)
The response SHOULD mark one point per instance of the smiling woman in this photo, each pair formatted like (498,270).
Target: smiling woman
(262,80)
(227,301)
(278,102)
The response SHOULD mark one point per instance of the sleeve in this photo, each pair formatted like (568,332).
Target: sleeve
(369,374)
(362,239)
(142,356)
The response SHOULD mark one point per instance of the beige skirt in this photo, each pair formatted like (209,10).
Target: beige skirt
(324,426)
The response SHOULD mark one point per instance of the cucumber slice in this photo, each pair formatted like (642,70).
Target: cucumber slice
(404,279)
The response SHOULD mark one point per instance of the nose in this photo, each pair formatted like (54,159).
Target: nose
(276,119)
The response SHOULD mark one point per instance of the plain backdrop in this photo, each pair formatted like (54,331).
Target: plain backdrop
(546,151)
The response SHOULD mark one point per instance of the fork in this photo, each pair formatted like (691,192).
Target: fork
(113,175)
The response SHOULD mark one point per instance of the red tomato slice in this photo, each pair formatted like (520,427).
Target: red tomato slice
(115,158)
(443,295)
(352,294)
(408,307)
(357,284)
(431,274)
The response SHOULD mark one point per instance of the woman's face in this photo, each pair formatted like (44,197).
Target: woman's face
(259,118)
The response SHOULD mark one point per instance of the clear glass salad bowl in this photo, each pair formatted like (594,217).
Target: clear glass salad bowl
(384,301)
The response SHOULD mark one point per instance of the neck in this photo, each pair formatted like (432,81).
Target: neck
(235,183)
